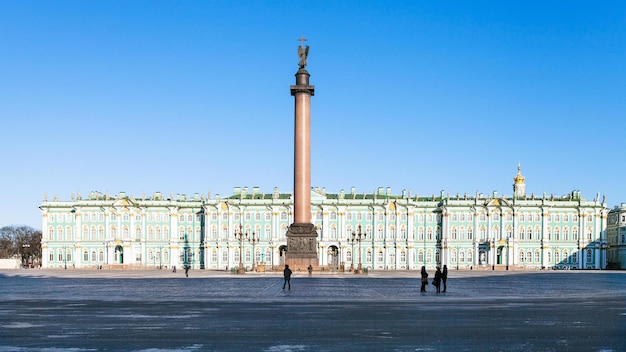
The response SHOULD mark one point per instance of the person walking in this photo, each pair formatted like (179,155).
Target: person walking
(437,279)
(424,275)
(187,267)
(287,276)
(444,277)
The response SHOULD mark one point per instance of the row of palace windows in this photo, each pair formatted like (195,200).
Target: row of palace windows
(158,233)
(159,217)
(522,217)
(524,233)
(560,257)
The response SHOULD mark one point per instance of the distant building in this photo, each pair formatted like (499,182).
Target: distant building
(398,232)
(616,238)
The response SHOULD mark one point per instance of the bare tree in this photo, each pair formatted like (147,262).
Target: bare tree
(23,242)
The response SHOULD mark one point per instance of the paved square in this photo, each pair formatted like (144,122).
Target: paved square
(43,310)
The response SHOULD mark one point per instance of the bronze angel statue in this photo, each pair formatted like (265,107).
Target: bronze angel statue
(303,52)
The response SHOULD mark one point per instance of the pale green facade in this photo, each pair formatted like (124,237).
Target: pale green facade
(398,232)
(616,237)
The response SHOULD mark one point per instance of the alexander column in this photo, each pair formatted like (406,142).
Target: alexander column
(301,235)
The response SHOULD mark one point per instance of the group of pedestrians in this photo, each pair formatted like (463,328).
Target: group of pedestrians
(441,277)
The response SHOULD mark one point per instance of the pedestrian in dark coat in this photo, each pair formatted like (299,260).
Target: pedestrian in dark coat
(287,276)
(444,277)
(437,279)
(424,275)
(187,267)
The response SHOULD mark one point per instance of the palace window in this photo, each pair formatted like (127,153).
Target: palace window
(349,216)
(359,217)
(369,216)
(470,233)
(333,216)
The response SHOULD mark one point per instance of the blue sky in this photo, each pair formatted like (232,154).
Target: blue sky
(193,96)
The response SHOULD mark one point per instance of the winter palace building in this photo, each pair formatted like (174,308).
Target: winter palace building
(379,230)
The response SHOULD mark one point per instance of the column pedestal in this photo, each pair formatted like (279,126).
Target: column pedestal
(302,247)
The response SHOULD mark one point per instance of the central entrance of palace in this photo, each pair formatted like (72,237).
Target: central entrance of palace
(333,257)
(119,255)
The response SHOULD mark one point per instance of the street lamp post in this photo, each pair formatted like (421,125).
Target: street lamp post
(240,236)
(358,237)
(254,239)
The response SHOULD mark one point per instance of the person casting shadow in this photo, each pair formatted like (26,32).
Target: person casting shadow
(287,276)
(444,277)
(437,279)
(424,275)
